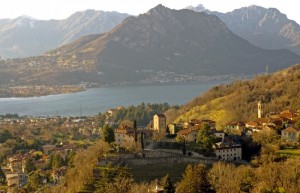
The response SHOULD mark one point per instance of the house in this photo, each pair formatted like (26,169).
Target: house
(219,135)
(238,126)
(159,123)
(174,128)
(263,121)
(189,134)
(123,135)
(228,151)
(13,178)
(15,163)
(254,126)
(290,134)
(289,114)
(196,122)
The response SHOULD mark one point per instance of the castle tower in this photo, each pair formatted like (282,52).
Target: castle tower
(260,111)
(159,122)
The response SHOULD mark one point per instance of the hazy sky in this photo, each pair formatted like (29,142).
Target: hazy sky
(60,9)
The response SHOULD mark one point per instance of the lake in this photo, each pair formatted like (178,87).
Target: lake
(95,100)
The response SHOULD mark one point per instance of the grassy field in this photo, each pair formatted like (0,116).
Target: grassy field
(293,152)
(157,171)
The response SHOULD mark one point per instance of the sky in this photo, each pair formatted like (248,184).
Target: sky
(61,9)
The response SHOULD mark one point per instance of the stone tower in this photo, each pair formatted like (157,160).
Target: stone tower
(159,122)
(260,111)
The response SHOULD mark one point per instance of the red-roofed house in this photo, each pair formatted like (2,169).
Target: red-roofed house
(290,134)
(190,135)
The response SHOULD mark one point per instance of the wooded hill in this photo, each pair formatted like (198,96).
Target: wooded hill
(238,100)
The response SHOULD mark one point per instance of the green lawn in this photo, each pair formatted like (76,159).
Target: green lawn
(293,152)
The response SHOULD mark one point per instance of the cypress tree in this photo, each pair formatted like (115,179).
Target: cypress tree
(108,134)
(135,131)
(183,147)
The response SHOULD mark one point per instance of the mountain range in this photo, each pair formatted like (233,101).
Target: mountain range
(265,28)
(180,41)
(25,36)
(159,42)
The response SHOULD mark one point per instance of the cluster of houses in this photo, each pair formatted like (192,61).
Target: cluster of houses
(225,147)
(283,123)
(86,127)
(15,168)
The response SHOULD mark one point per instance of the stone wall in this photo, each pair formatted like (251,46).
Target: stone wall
(170,160)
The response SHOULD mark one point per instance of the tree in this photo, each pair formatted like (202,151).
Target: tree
(135,131)
(194,180)
(142,142)
(2,176)
(224,178)
(183,147)
(205,137)
(108,134)
(29,166)
(57,161)
(34,182)
(113,179)
(5,135)
(167,185)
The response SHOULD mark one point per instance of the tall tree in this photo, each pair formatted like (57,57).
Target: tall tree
(142,141)
(194,180)
(183,147)
(205,137)
(135,131)
(108,134)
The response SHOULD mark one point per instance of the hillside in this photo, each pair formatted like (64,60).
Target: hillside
(237,101)
(25,36)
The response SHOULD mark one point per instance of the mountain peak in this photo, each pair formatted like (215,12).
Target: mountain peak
(198,8)
(159,10)
(264,27)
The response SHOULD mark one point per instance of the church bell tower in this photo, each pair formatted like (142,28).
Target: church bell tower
(259,109)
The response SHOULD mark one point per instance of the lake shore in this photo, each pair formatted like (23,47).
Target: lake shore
(36,91)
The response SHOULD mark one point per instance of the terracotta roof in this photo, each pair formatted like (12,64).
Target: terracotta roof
(252,123)
(239,123)
(262,120)
(289,112)
(186,131)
